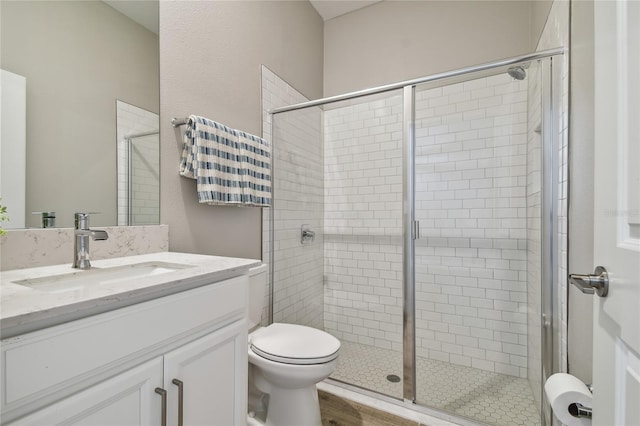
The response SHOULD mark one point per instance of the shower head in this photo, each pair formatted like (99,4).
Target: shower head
(517,72)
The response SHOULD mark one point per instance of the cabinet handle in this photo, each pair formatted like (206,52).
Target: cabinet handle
(163,394)
(180,386)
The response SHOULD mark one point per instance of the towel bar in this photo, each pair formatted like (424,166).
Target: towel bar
(176,122)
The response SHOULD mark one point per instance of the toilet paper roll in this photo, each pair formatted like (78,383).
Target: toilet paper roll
(563,390)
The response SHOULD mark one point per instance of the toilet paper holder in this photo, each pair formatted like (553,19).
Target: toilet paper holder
(578,410)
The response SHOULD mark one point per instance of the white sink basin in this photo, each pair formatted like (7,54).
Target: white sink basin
(99,276)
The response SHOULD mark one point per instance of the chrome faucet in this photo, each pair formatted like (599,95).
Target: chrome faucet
(81,240)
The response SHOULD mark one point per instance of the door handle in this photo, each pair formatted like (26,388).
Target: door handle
(180,386)
(163,394)
(597,283)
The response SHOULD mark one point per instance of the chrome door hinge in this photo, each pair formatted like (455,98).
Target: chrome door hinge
(416,229)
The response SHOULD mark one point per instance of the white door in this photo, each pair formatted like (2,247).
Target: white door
(128,399)
(212,372)
(616,353)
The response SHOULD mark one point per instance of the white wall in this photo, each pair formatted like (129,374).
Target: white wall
(398,40)
(539,10)
(210,63)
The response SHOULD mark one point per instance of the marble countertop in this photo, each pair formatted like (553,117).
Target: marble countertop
(26,308)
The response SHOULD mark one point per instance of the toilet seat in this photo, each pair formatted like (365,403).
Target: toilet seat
(295,344)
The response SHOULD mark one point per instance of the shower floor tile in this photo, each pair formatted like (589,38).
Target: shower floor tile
(484,396)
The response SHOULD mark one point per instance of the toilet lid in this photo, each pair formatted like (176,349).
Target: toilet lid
(295,344)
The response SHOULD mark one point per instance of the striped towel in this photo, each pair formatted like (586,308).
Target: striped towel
(230,167)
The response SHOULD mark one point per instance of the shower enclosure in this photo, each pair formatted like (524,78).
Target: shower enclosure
(434,208)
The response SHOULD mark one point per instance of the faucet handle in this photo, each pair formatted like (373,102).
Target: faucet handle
(82,219)
(48,219)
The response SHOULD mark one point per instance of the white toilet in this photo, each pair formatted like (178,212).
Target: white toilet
(285,363)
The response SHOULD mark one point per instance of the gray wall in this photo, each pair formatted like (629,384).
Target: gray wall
(211,67)
(580,333)
(78,58)
(398,40)
(386,42)
(539,13)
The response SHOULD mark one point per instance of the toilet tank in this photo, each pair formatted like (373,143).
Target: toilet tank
(257,291)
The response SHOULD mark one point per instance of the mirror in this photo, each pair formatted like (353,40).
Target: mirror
(90,71)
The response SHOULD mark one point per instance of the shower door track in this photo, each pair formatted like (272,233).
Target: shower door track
(410,228)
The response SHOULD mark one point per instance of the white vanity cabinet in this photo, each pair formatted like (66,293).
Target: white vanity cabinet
(112,368)
(126,399)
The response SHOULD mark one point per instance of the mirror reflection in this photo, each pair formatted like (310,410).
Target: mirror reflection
(80,103)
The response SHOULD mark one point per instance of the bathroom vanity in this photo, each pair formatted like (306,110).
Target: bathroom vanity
(151,339)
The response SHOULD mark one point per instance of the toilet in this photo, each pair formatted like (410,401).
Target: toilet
(286,361)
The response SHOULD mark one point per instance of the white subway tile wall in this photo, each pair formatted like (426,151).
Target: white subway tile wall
(363,221)
(298,200)
(145,165)
(471,258)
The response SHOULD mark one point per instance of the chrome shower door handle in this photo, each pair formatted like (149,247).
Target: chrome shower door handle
(597,283)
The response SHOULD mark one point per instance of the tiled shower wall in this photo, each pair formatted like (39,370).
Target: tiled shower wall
(363,221)
(298,200)
(470,199)
(146,191)
(471,296)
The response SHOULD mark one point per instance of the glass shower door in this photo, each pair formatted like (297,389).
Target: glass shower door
(338,170)
(476,154)
(363,239)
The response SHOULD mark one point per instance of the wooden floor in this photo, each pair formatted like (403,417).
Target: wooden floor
(336,411)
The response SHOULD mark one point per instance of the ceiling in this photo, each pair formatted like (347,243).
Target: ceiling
(329,9)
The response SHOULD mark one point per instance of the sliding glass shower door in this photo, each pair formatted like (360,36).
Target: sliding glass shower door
(477,187)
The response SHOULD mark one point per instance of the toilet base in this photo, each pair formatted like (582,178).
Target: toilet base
(294,407)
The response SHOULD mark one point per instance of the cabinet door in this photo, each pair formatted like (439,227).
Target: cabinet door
(213,373)
(124,400)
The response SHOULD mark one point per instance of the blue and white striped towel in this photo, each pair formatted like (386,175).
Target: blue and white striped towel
(229,166)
